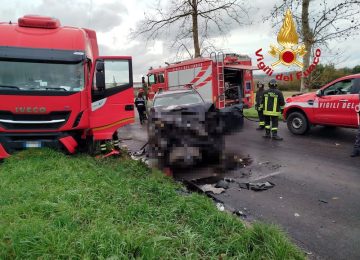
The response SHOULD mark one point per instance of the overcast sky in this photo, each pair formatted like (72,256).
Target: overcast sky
(113,19)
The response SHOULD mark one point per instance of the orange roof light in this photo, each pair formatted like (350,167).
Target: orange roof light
(37,21)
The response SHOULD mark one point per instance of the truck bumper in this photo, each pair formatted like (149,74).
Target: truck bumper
(12,142)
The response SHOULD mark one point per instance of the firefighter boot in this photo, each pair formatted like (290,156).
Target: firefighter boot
(261,127)
(355,153)
(267,133)
(276,137)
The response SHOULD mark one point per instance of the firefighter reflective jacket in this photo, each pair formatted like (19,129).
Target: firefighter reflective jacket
(272,102)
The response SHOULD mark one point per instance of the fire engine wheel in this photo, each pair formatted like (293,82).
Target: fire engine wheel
(297,123)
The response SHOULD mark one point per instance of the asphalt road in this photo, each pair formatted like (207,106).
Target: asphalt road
(317,194)
(316,198)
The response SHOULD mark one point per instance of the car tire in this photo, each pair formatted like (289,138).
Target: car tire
(297,123)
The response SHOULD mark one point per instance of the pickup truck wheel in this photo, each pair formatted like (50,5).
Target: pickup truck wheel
(297,123)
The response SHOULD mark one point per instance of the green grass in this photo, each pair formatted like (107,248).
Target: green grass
(56,206)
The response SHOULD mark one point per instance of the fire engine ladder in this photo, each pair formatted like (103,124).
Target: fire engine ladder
(218,58)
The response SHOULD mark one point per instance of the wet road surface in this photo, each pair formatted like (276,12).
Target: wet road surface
(316,198)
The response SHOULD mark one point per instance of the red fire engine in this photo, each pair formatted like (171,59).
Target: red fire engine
(224,79)
(335,104)
(55,89)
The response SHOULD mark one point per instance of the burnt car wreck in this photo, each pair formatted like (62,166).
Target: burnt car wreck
(185,130)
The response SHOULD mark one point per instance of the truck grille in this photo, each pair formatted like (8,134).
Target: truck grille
(53,120)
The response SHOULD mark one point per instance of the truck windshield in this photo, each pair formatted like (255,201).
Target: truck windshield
(40,76)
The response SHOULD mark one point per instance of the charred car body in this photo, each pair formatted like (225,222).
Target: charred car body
(184,129)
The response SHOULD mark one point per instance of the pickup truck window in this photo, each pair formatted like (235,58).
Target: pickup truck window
(355,89)
(342,87)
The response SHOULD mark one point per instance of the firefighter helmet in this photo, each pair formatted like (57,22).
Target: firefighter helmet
(272,83)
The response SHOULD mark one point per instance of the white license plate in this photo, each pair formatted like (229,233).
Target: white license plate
(33,144)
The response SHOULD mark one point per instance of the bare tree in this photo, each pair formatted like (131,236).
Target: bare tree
(319,22)
(185,23)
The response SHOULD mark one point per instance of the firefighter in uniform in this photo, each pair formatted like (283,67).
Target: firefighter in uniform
(272,104)
(356,151)
(141,106)
(258,102)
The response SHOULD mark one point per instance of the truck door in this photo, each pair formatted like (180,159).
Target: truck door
(334,104)
(112,99)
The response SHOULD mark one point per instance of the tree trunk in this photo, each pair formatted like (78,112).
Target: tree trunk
(308,41)
(195,28)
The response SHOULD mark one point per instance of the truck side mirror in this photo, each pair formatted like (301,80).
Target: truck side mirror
(100,76)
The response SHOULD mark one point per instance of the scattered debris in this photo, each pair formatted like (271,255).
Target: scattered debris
(222,184)
(261,163)
(140,152)
(335,198)
(229,179)
(240,213)
(135,158)
(220,206)
(336,144)
(210,188)
(281,198)
(323,201)
(297,215)
(275,167)
(257,186)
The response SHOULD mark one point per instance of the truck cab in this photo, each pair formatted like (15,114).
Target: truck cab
(335,104)
(155,81)
(55,89)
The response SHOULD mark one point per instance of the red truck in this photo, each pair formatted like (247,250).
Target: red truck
(335,104)
(223,79)
(55,89)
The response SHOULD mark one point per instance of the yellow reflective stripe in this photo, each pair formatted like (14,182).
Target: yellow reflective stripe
(271,113)
(275,128)
(266,102)
(261,123)
(267,127)
(275,104)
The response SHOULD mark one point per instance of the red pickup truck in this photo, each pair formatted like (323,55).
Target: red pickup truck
(335,104)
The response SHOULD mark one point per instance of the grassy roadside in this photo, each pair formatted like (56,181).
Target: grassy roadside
(56,206)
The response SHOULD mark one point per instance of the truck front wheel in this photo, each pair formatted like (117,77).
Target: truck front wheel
(297,123)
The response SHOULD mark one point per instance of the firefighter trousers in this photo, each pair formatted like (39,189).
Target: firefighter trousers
(142,115)
(261,118)
(274,123)
(357,140)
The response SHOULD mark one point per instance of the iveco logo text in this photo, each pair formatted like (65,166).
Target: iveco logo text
(30,109)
